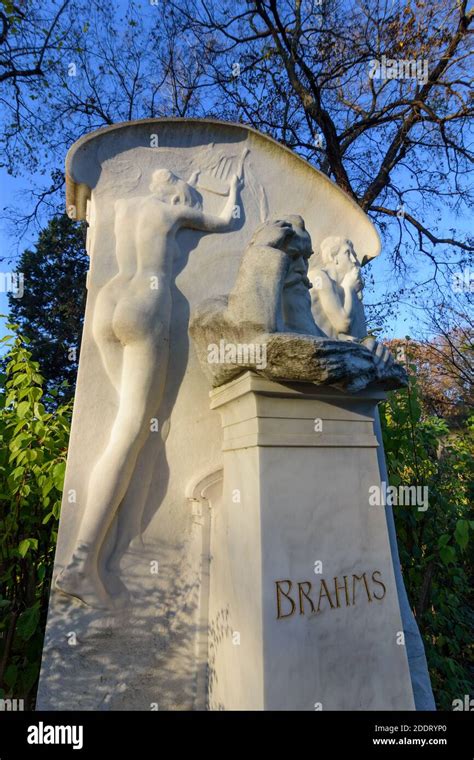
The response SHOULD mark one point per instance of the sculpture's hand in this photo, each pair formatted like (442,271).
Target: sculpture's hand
(382,356)
(275,236)
(236,183)
(353,280)
(194,178)
(283,224)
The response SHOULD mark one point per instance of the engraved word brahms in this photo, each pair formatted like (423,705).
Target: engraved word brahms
(352,589)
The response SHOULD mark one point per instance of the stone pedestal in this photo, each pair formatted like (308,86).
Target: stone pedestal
(303,605)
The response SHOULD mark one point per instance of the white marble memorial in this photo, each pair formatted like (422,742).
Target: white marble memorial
(185,573)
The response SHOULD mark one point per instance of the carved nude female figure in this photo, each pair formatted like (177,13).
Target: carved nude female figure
(131,324)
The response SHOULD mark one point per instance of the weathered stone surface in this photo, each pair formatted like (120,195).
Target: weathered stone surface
(346,364)
(299,358)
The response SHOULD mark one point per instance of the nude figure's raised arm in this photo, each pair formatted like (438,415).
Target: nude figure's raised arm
(199,220)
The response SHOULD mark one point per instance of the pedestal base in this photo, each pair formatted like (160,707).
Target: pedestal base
(303,605)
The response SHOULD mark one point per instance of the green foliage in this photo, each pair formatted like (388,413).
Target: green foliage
(50,311)
(34,432)
(436,545)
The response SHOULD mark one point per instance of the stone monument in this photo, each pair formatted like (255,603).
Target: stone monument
(217,549)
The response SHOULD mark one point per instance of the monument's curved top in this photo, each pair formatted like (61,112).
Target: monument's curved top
(86,157)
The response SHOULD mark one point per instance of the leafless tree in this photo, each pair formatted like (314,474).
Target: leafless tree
(311,74)
(26,37)
(308,72)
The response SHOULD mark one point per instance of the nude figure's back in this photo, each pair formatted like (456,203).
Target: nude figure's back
(136,303)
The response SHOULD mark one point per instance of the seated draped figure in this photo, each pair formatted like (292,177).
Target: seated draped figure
(336,296)
(287,325)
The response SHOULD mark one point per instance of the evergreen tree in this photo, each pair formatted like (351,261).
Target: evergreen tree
(51,308)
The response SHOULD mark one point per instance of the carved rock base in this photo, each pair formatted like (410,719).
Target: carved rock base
(296,358)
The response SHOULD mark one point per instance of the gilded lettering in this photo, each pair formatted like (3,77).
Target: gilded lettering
(302,593)
(377,572)
(360,578)
(338,588)
(280,593)
(326,594)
